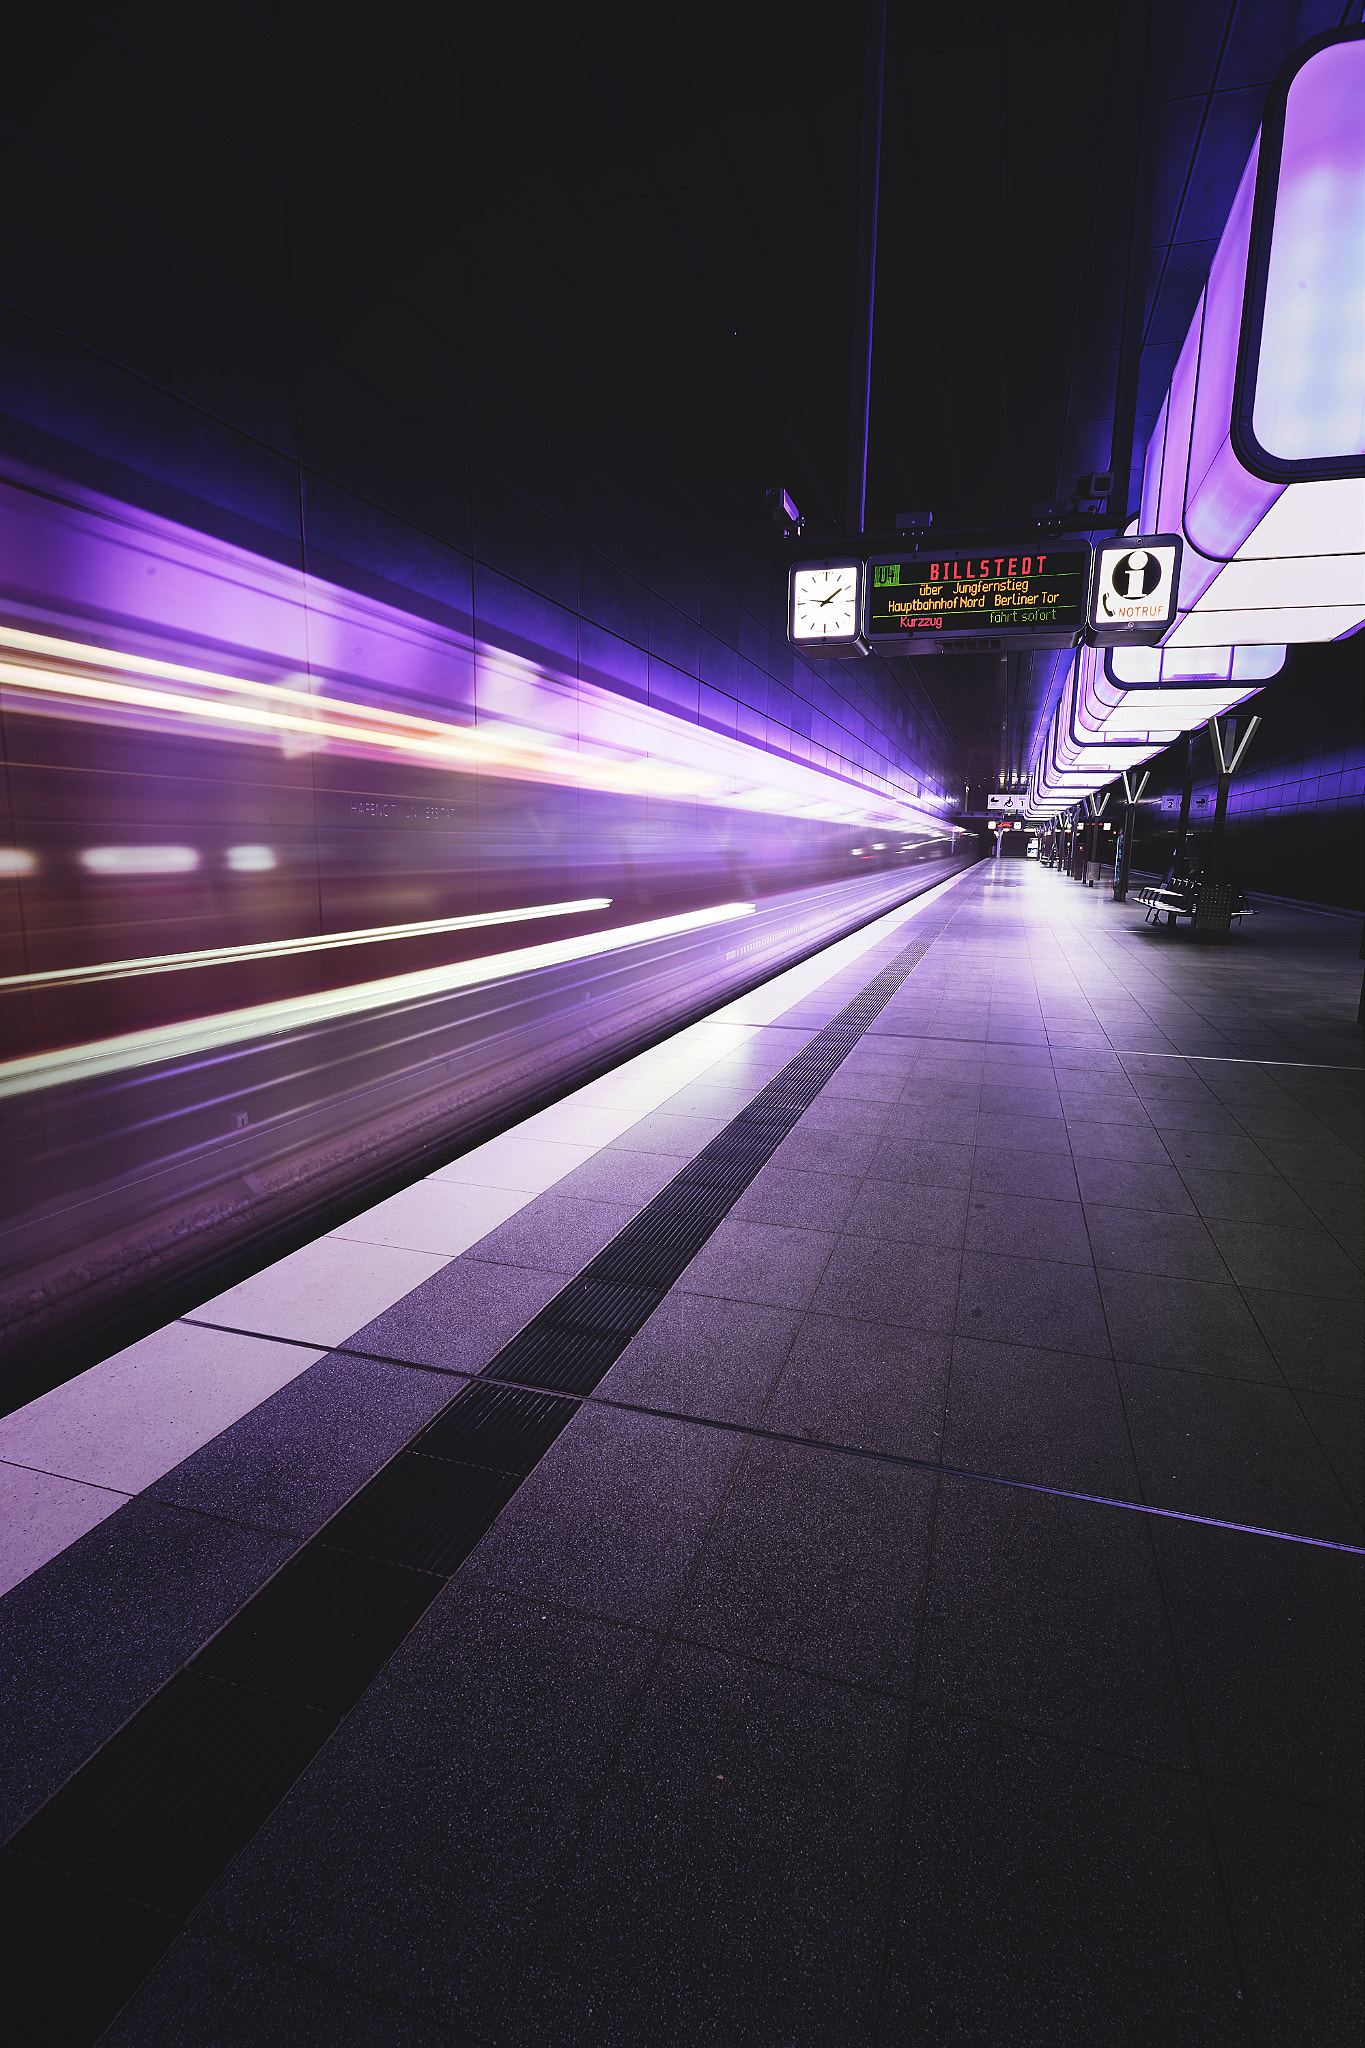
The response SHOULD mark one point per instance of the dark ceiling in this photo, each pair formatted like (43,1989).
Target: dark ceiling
(656,208)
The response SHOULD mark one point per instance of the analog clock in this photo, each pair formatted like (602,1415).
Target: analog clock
(826,602)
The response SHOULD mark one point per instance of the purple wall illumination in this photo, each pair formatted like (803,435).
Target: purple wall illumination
(1222,501)
(1285,305)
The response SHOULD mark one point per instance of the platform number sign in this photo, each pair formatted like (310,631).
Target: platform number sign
(1133,595)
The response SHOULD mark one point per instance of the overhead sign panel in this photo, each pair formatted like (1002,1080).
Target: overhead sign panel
(1028,594)
(1132,598)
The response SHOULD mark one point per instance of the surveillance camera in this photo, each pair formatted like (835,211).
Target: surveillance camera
(786,516)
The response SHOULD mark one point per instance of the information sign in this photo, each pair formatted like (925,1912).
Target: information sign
(1029,593)
(1134,590)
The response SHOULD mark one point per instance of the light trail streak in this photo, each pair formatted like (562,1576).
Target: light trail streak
(663,756)
(276,949)
(293,1013)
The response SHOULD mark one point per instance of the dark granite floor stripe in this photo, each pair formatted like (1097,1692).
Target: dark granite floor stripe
(126,1849)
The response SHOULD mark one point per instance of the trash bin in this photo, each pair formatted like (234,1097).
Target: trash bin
(1092,873)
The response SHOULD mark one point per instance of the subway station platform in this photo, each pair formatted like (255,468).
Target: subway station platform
(848,1530)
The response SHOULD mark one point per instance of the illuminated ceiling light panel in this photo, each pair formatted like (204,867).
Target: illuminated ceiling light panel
(1102,727)
(1258,456)
(1088,768)
(261,1020)
(1049,803)
(1110,708)
(1132,666)
(1308,396)
(1084,737)
(278,949)
(1315,523)
(1284,621)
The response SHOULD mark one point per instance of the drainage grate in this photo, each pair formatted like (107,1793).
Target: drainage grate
(75,1953)
(425,1513)
(163,1808)
(97,1884)
(321,1628)
(497,1426)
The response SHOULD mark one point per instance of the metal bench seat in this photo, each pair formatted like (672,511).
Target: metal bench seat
(1219,902)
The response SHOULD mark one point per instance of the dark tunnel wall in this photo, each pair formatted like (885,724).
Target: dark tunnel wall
(305,314)
(305,301)
(592,561)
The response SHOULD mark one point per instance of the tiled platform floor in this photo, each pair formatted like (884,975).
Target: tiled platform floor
(830,1680)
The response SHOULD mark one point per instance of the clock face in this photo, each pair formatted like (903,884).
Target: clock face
(825,603)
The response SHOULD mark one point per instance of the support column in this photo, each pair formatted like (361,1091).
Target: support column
(1124,862)
(1214,870)
(1227,755)
(1183,829)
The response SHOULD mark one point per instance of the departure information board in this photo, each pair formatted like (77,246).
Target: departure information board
(1031,593)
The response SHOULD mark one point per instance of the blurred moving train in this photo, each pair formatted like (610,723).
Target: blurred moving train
(304,893)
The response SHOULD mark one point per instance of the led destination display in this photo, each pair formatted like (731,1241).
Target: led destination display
(1036,592)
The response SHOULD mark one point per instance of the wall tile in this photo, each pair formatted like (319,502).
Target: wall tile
(718,709)
(611,662)
(719,612)
(612,526)
(520,619)
(672,690)
(70,413)
(672,634)
(674,577)
(753,639)
(345,534)
(610,597)
(515,537)
(719,663)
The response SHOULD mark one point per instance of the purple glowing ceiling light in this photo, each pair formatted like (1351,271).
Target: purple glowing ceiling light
(1260,446)
(1121,706)
(1302,379)
(1149,510)
(1223,501)
(1166,666)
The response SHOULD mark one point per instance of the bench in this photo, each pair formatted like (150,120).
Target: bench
(1210,906)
